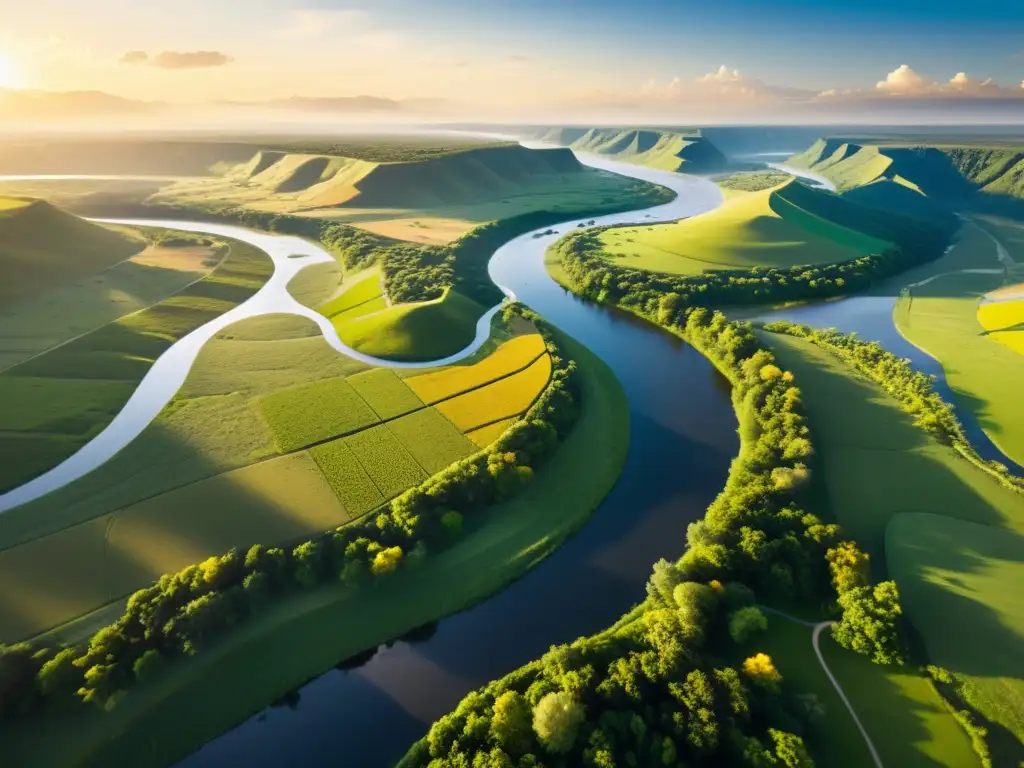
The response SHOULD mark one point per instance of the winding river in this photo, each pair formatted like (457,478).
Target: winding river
(682,433)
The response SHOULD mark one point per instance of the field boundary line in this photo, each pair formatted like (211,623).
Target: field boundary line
(122,317)
(488,383)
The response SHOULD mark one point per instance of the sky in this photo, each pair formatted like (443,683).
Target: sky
(663,56)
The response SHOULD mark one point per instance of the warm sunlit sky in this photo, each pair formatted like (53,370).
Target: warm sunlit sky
(514,52)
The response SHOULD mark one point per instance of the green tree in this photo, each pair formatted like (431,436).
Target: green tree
(59,674)
(510,724)
(790,749)
(870,622)
(747,622)
(556,721)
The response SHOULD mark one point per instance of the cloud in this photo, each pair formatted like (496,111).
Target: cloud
(135,57)
(905,81)
(178,59)
(517,59)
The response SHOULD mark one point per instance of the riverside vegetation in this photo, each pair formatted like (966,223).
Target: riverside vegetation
(658,688)
(185,612)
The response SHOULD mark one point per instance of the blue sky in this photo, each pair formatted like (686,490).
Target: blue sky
(513,49)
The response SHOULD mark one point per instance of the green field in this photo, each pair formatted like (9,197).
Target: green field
(666,150)
(874,466)
(962,586)
(898,708)
(42,246)
(56,401)
(942,319)
(247,400)
(309,634)
(425,330)
(771,228)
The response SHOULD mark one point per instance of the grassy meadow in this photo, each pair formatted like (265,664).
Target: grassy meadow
(883,479)
(274,436)
(769,228)
(944,317)
(56,401)
(215,690)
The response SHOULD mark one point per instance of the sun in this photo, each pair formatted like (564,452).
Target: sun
(10,74)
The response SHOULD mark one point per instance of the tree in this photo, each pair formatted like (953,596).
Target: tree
(556,720)
(147,664)
(59,674)
(510,724)
(761,670)
(386,561)
(746,622)
(870,622)
(790,749)
(663,581)
(849,566)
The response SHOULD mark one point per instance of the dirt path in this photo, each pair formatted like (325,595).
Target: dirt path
(820,627)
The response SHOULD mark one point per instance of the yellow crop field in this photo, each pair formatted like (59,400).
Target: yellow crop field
(500,400)
(513,355)
(484,436)
(1004,320)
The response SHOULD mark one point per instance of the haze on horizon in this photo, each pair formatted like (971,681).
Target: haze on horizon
(292,62)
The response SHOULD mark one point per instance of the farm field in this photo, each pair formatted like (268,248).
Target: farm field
(256,420)
(947,567)
(57,401)
(210,692)
(768,228)
(944,317)
(861,433)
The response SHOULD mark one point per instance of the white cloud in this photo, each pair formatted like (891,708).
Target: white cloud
(904,81)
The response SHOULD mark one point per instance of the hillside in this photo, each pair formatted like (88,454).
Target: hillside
(684,151)
(891,195)
(785,226)
(940,171)
(42,246)
(430,200)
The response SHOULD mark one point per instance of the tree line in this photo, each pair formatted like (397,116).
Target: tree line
(184,612)
(594,274)
(660,690)
(914,390)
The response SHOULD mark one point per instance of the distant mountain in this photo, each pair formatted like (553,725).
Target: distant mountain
(29,105)
(334,104)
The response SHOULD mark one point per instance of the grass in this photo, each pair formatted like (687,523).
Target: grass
(385,393)
(754,181)
(417,331)
(316,284)
(57,401)
(506,397)
(205,695)
(873,467)
(310,413)
(664,150)
(33,326)
(431,439)
(484,436)
(512,356)
(984,374)
(946,567)
(758,229)
(391,468)
(901,711)
(43,246)
(861,432)
(425,200)
(361,293)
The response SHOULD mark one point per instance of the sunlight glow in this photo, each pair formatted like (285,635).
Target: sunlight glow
(10,75)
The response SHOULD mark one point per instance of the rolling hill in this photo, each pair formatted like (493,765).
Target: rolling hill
(786,226)
(42,246)
(682,151)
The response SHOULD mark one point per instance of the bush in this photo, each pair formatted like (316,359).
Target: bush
(556,720)
(746,622)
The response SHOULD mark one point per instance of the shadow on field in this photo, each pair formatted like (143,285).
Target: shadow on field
(121,527)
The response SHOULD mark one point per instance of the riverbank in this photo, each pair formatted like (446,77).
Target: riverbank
(161,722)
